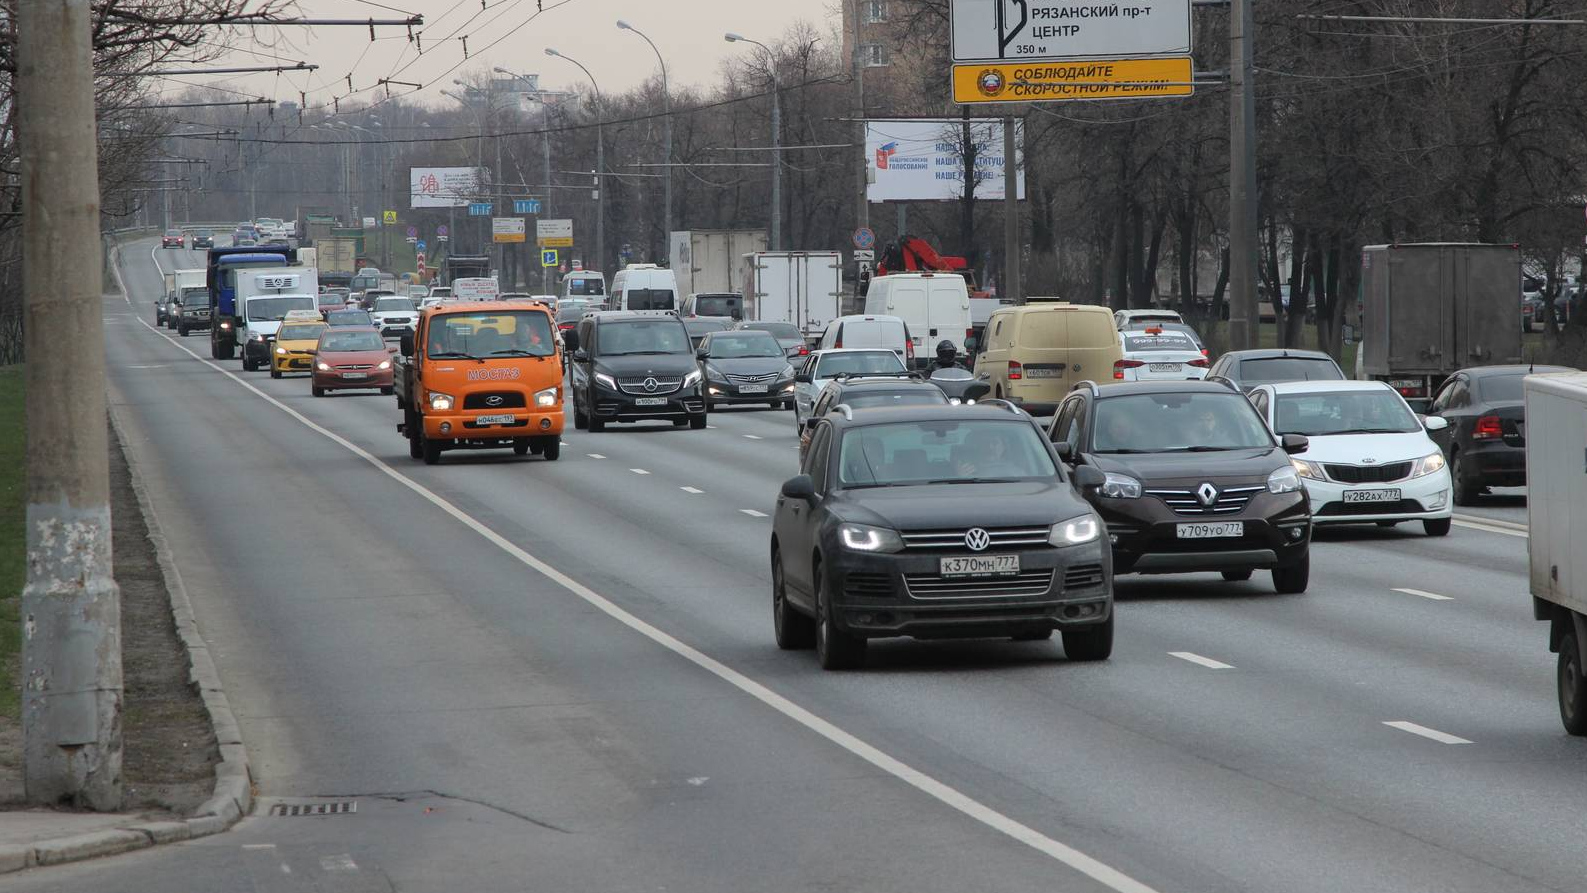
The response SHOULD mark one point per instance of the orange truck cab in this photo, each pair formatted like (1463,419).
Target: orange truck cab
(481,375)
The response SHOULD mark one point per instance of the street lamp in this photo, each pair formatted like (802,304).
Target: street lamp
(666,105)
(776,138)
(600,166)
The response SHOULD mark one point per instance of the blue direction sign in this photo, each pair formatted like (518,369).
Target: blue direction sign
(548,257)
(419,246)
(479,209)
(526,206)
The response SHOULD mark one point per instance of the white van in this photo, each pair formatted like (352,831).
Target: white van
(935,307)
(644,287)
(869,331)
(588,284)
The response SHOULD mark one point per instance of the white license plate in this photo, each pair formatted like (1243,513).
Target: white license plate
(650,401)
(753,388)
(1043,373)
(980,566)
(1164,367)
(1372,496)
(1215,530)
(355,375)
(504,419)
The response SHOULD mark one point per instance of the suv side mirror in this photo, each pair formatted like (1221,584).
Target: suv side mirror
(1064,450)
(702,354)
(802,378)
(800,486)
(1088,478)
(405,344)
(579,356)
(1295,443)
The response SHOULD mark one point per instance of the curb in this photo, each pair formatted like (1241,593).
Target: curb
(232,797)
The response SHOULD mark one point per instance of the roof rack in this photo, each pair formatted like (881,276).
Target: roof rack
(1088,383)
(999,402)
(847,410)
(1219,379)
(847,376)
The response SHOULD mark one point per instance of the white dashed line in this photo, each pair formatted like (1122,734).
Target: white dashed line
(595,455)
(1422,593)
(639,471)
(691,490)
(753,437)
(710,427)
(1425,732)
(1197,659)
(258,846)
(342,862)
(752,513)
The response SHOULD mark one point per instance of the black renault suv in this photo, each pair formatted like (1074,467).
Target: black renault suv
(632,365)
(1194,480)
(936,522)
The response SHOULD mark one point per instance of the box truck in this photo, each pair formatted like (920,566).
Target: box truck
(799,287)
(708,260)
(1556,429)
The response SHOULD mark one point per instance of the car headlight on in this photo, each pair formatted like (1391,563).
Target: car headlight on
(1308,469)
(440,402)
(1075,531)
(1427,465)
(1284,480)
(1120,486)
(384,364)
(692,379)
(864,538)
(323,367)
(258,338)
(225,325)
(281,351)
(601,378)
(547,397)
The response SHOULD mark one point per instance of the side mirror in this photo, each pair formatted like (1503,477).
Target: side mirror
(579,356)
(1294,443)
(702,354)
(1088,478)
(737,314)
(405,344)
(970,344)
(802,378)
(810,422)
(1435,423)
(800,487)
(570,340)
(1064,450)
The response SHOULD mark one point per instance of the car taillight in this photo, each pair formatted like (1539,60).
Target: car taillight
(1488,427)
(1120,365)
(804,350)
(1016,372)
(838,342)
(1199,364)
(909,348)
(1205,353)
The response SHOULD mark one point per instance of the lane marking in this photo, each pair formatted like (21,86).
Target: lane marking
(1425,732)
(258,846)
(710,427)
(1207,662)
(341,862)
(753,437)
(1493,522)
(1424,594)
(639,471)
(595,455)
(752,513)
(1490,527)
(1093,868)
(691,490)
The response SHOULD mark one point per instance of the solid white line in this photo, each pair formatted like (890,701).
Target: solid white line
(1425,732)
(1099,871)
(1207,662)
(1424,594)
(639,471)
(595,455)
(752,513)
(1492,522)
(258,846)
(691,490)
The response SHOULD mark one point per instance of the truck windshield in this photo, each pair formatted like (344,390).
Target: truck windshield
(650,299)
(198,297)
(1342,412)
(519,333)
(647,336)
(275,308)
(717,305)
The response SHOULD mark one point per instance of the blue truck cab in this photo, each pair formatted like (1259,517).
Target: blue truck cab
(221,280)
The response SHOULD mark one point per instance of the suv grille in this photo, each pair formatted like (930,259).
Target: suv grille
(868,585)
(635,384)
(1083,576)
(933,586)
(509,400)
(1185,502)
(1368,474)
(953,540)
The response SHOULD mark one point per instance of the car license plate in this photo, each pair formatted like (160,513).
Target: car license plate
(753,388)
(506,419)
(1043,373)
(1215,530)
(980,566)
(650,401)
(1164,367)
(1372,496)
(355,375)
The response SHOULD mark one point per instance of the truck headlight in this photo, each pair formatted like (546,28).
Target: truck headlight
(1120,486)
(440,402)
(1308,469)
(692,379)
(1283,480)
(606,381)
(384,364)
(864,538)
(547,397)
(1427,465)
(1074,531)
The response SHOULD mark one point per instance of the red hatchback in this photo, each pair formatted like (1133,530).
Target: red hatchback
(349,357)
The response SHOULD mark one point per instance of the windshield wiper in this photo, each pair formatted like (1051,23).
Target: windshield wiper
(1205,449)
(1368,431)
(973,481)
(643,353)
(878,484)
(1117,452)
(453,355)
(516,352)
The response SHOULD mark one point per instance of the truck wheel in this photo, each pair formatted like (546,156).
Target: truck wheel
(412,427)
(227,351)
(1090,643)
(520,447)
(553,449)
(1437,526)
(1572,684)
(432,451)
(1466,489)
(1292,580)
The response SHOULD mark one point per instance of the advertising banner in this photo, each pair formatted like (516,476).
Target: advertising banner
(447,187)
(924,160)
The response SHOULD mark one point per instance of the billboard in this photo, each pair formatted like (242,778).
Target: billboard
(554,233)
(447,187)
(923,160)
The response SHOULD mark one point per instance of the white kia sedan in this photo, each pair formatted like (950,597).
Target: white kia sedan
(1156,353)
(1369,459)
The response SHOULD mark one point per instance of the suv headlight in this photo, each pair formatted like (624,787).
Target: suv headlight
(864,538)
(1427,465)
(440,402)
(1283,480)
(1074,531)
(322,366)
(281,351)
(384,364)
(606,381)
(1308,469)
(1120,486)
(547,397)
(692,379)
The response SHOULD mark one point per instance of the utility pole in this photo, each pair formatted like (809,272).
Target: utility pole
(1012,288)
(600,167)
(776,138)
(862,207)
(71,607)
(666,106)
(1242,179)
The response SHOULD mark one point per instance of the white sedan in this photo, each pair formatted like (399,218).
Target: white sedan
(1369,457)
(1158,354)
(823,366)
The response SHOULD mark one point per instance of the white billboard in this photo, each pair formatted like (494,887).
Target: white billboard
(447,187)
(1015,30)
(923,160)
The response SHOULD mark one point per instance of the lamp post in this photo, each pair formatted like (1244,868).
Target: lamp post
(666,105)
(776,138)
(600,166)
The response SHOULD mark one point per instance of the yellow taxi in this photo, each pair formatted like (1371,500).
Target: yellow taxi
(295,342)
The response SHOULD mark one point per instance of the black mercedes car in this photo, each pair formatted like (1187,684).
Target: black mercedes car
(1246,369)
(634,365)
(1485,442)
(1194,480)
(937,522)
(745,367)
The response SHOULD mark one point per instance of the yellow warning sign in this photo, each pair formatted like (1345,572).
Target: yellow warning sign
(978,82)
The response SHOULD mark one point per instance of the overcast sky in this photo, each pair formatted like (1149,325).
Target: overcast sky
(687,32)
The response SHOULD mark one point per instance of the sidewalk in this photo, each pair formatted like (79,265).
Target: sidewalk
(46,837)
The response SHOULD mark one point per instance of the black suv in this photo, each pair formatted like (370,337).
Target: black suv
(633,365)
(937,522)
(1194,480)
(904,389)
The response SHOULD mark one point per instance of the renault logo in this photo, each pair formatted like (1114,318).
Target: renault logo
(1207,493)
(651,385)
(493,400)
(976,539)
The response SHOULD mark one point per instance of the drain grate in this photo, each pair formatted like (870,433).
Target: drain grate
(338,807)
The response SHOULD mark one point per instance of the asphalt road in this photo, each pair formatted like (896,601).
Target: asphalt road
(561,676)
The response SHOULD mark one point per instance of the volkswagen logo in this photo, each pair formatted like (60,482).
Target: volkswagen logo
(651,385)
(976,539)
(493,400)
(1207,494)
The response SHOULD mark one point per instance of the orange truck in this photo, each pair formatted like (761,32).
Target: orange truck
(481,375)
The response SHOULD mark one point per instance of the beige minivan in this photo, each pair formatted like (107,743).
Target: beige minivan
(1034,353)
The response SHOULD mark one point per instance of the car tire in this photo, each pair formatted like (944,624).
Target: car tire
(1466,489)
(1090,643)
(387,392)
(1237,576)
(679,423)
(318,391)
(698,422)
(1572,683)
(1437,526)
(1040,635)
(181,330)
(520,447)
(835,649)
(1387,523)
(552,449)
(794,631)
(580,420)
(1292,580)
(274,372)
(247,364)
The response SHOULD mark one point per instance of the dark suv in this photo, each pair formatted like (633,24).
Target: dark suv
(936,522)
(1194,480)
(633,365)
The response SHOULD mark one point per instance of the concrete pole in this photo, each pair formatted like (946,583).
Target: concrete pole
(71,607)
(862,207)
(1242,180)
(1012,288)
(776,162)
(600,200)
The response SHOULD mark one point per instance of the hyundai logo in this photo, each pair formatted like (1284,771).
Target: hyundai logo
(1207,494)
(976,539)
(493,400)
(651,384)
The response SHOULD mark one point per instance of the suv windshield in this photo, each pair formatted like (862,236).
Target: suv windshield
(394,305)
(1342,412)
(195,297)
(643,336)
(515,333)
(1277,369)
(949,452)
(265,309)
(1178,422)
(300,332)
(347,341)
(858,363)
(735,345)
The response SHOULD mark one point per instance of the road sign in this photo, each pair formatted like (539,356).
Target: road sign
(370,223)
(421,265)
(1087,79)
(389,217)
(526,206)
(441,231)
(864,254)
(991,30)
(548,257)
(413,232)
(419,245)
(554,233)
(479,209)
(507,229)
(864,237)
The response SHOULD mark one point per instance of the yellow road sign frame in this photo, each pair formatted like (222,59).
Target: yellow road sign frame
(1067,81)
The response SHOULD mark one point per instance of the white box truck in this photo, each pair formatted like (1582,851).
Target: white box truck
(707,260)
(1556,461)
(801,287)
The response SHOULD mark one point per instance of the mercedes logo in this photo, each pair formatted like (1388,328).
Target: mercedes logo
(493,400)
(651,385)
(976,539)
(1207,493)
